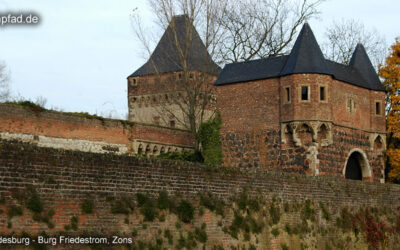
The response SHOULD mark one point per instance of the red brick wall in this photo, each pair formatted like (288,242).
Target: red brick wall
(15,119)
(252,113)
(249,106)
(64,179)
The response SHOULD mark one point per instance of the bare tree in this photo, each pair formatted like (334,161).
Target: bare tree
(182,66)
(343,37)
(230,31)
(262,28)
(4,83)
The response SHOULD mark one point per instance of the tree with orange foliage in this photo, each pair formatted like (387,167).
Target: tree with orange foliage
(390,72)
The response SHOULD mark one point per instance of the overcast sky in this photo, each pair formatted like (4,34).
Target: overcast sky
(80,54)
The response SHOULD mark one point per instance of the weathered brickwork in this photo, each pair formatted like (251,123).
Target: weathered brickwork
(264,128)
(86,133)
(65,179)
(152,98)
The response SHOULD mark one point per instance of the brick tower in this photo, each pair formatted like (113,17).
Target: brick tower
(303,113)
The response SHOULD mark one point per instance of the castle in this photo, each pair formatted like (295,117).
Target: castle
(295,113)
(298,113)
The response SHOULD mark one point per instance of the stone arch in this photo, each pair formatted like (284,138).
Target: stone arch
(169,150)
(322,132)
(287,135)
(378,143)
(148,149)
(357,166)
(140,149)
(162,150)
(155,150)
(305,133)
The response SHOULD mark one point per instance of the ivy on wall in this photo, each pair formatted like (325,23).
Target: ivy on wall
(210,139)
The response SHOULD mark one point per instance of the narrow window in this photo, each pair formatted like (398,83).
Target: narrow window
(287,94)
(378,108)
(351,105)
(172,123)
(322,94)
(191,75)
(304,93)
(179,76)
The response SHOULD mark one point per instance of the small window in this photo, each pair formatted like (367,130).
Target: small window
(172,123)
(322,93)
(179,76)
(287,94)
(351,105)
(134,82)
(191,75)
(304,93)
(378,108)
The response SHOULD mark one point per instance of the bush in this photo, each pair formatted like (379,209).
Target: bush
(35,204)
(274,213)
(192,156)
(15,211)
(185,211)
(122,206)
(213,204)
(163,201)
(87,206)
(275,232)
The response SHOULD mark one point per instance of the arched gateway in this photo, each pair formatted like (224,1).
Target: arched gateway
(357,166)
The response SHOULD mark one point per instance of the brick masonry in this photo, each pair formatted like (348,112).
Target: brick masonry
(84,132)
(64,179)
(262,128)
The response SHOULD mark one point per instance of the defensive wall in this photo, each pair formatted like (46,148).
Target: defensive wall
(84,132)
(44,191)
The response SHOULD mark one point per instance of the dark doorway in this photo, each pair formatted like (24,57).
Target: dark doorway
(353,167)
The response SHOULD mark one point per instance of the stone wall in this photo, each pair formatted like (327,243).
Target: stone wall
(80,131)
(62,181)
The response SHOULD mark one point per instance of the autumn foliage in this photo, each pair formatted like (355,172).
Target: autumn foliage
(390,72)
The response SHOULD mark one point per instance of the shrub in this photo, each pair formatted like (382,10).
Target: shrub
(87,206)
(191,156)
(34,203)
(201,234)
(284,246)
(275,232)
(122,206)
(15,211)
(274,212)
(74,223)
(185,211)
(308,212)
(213,204)
(163,201)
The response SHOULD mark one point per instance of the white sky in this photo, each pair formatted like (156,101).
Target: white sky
(80,54)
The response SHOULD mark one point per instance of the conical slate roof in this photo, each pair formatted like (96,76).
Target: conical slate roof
(360,61)
(167,57)
(305,57)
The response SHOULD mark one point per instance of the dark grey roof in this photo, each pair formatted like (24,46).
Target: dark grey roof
(305,57)
(166,56)
(360,61)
